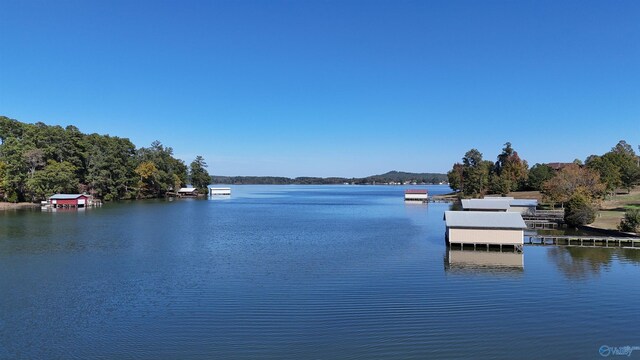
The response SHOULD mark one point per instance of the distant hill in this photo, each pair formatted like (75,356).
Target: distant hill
(392,177)
(403,177)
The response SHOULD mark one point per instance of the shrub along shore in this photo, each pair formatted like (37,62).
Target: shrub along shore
(17,206)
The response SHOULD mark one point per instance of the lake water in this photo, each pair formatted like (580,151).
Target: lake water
(298,272)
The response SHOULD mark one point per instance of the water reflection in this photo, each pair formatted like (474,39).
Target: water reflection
(584,262)
(482,261)
(219,197)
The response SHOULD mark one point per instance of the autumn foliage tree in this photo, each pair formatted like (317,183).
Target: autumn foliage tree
(580,188)
(147,183)
(569,180)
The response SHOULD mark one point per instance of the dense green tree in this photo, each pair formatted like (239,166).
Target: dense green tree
(198,174)
(538,174)
(472,158)
(476,178)
(110,167)
(455,177)
(509,172)
(631,221)
(104,166)
(617,168)
(34,159)
(167,166)
(580,209)
(609,172)
(3,170)
(16,169)
(56,177)
(475,173)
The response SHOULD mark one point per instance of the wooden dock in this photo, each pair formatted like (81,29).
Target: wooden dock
(434,199)
(544,219)
(542,224)
(583,241)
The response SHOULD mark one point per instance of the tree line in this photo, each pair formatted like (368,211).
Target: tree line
(38,160)
(389,177)
(580,186)
(476,176)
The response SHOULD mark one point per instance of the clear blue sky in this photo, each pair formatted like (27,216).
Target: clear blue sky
(330,88)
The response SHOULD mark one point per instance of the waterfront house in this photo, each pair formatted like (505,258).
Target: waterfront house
(188,191)
(219,191)
(416,195)
(484,228)
(69,200)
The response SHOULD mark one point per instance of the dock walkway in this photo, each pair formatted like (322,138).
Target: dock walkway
(583,241)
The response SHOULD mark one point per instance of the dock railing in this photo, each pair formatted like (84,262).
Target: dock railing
(583,241)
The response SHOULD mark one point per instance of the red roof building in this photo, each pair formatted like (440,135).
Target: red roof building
(69,200)
(416,195)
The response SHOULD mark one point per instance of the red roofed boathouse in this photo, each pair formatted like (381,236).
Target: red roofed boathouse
(69,200)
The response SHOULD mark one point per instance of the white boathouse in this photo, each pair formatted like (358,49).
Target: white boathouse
(220,191)
(484,228)
(416,195)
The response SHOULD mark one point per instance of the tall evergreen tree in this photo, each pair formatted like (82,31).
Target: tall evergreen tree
(198,174)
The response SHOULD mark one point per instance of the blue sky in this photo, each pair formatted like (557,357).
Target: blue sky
(330,88)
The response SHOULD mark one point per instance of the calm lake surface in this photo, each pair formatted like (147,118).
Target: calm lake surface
(298,272)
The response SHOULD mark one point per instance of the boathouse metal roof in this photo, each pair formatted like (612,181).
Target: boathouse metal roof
(513,201)
(485,204)
(484,220)
(415,191)
(66,196)
(188,189)
(524,202)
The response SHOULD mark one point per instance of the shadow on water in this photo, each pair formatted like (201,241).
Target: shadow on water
(582,263)
(481,262)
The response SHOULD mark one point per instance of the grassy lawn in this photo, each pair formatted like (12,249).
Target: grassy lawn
(526,195)
(622,201)
(608,219)
(614,207)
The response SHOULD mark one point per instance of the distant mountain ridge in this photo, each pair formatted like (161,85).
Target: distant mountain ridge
(391,177)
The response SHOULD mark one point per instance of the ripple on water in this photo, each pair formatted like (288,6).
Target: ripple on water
(333,272)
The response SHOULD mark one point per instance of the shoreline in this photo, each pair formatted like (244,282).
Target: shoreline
(17,206)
